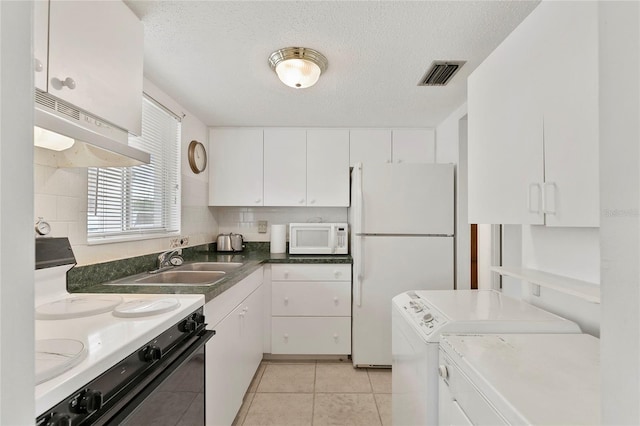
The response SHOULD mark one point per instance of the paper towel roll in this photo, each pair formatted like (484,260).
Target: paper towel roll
(278,238)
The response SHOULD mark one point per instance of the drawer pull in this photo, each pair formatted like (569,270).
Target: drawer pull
(335,300)
(286,300)
(335,336)
(336,274)
(286,337)
(286,274)
(245,309)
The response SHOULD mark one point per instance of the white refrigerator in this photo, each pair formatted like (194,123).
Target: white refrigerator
(402,238)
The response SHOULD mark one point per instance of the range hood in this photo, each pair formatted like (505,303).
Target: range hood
(97,143)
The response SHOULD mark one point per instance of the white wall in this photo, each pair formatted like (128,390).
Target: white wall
(451,147)
(619,25)
(16,207)
(61,198)
(570,252)
(244,220)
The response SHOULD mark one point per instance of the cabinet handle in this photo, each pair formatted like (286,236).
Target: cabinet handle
(312,202)
(286,274)
(336,274)
(529,203)
(286,300)
(545,205)
(241,314)
(400,160)
(335,336)
(301,201)
(286,337)
(59,84)
(258,200)
(38,65)
(335,300)
(245,309)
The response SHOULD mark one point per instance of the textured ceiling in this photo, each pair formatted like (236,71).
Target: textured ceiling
(211,56)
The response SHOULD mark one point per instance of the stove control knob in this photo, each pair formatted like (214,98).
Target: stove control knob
(428,317)
(86,402)
(57,419)
(198,318)
(151,353)
(188,326)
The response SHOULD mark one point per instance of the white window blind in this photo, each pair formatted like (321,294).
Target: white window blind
(142,201)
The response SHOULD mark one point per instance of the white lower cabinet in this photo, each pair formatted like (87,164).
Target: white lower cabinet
(311,309)
(234,353)
(311,335)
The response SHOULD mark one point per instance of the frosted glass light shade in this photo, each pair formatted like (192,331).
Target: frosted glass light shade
(298,73)
(50,140)
(298,67)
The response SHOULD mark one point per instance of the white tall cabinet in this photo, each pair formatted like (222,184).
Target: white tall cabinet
(235,167)
(533,122)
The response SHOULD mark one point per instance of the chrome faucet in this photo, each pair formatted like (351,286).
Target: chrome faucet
(168,259)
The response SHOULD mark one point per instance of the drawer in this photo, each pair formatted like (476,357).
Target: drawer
(311,335)
(311,298)
(311,272)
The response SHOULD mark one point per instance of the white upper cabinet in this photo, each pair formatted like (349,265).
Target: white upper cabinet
(413,146)
(533,114)
(387,145)
(95,59)
(235,167)
(285,167)
(369,146)
(328,167)
(40,41)
(571,115)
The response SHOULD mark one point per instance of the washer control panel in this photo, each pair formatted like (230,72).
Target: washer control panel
(418,310)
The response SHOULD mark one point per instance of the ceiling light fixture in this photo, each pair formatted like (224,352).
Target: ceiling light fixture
(298,67)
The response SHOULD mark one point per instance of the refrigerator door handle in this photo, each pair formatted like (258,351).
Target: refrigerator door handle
(359,216)
(357,296)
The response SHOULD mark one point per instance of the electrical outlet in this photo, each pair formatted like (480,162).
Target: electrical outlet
(262,226)
(178,242)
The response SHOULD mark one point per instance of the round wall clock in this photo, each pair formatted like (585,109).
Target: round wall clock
(197,157)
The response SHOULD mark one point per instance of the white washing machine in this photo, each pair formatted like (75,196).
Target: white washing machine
(418,320)
(523,379)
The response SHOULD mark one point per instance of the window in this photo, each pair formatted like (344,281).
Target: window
(142,201)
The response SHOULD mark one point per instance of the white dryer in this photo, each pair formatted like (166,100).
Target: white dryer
(523,379)
(418,320)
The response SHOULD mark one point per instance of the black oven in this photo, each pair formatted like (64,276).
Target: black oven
(164,378)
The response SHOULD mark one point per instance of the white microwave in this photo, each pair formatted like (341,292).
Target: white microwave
(318,238)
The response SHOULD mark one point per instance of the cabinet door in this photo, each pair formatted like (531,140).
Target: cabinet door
(369,146)
(413,146)
(224,390)
(285,167)
(251,336)
(328,168)
(505,152)
(100,46)
(571,113)
(235,170)
(40,40)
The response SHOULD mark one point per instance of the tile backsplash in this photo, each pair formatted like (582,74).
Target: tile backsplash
(244,220)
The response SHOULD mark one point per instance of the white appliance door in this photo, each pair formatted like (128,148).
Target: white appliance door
(406,199)
(384,267)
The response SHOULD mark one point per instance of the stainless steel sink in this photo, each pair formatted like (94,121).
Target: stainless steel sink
(173,278)
(209,266)
(189,274)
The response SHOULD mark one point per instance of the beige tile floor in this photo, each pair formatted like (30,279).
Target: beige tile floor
(316,393)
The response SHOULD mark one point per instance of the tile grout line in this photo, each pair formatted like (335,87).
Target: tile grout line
(375,401)
(313,402)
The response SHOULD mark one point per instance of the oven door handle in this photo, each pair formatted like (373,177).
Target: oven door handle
(163,369)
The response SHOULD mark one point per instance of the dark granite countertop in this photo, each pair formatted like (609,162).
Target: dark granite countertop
(93,278)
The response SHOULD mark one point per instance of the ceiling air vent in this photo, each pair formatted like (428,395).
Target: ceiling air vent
(440,73)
